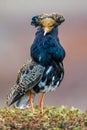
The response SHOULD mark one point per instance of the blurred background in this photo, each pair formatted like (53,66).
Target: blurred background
(17,35)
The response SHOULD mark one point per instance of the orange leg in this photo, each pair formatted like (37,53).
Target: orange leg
(41,103)
(31,102)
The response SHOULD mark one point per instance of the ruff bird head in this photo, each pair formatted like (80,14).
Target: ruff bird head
(47,21)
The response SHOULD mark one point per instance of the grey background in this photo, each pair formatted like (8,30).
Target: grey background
(17,35)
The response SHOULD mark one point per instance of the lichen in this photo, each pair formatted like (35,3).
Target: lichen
(62,118)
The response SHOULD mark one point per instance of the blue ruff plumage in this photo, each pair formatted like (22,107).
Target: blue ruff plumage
(47,51)
(45,71)
(47,48)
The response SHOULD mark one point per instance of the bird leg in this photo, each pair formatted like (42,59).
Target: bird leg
(31,102)
(41,103)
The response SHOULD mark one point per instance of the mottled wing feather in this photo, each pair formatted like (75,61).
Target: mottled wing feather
(29,75)
(24,68)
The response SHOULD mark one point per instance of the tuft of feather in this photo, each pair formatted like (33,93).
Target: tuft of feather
(37,20)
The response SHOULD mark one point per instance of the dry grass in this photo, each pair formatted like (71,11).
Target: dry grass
(53,119)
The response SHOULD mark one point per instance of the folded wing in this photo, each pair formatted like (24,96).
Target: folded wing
(29,75)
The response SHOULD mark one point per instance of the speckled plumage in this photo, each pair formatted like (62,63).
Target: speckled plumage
(28,76)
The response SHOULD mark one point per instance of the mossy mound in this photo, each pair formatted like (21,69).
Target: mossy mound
(53,119)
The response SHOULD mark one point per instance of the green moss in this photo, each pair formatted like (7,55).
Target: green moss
(53,119)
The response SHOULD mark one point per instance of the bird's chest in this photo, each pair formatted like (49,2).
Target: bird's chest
(44,58)
(40,54)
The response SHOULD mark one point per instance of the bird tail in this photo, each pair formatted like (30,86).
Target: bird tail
(24,101)
(19,99)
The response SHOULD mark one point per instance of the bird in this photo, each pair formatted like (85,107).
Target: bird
(45,71)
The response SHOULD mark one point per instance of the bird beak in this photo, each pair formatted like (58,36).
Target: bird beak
(46,30)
